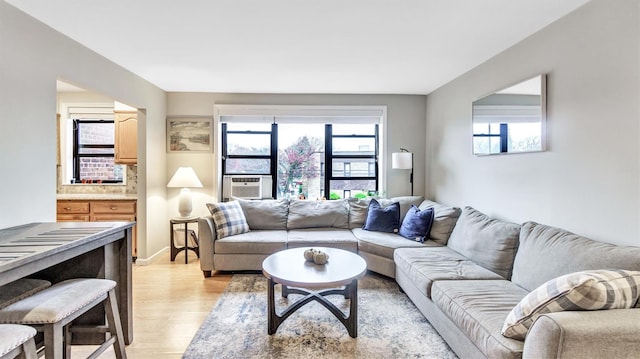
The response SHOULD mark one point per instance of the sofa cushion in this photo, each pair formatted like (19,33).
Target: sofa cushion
(20,289)
(317,214)
(265,214)
(546,252)
(416,225)
(228,218)
(587,290)
(254,242)
(383,219)
(358,207)
(444,220)
(358,211)
(405,203)
(383,244)
(489,242)
(430,264)
(479,308)
(322,237)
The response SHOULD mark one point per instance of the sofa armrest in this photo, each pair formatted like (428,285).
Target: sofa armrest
(206,236)
(585,334)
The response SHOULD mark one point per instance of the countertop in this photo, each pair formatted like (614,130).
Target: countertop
(97,196)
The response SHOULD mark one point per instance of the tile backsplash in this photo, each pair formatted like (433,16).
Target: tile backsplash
(130,188)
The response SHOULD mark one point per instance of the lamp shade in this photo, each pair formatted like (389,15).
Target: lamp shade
(402,160)
(184,177)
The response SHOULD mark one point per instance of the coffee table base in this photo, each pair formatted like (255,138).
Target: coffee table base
(350,291)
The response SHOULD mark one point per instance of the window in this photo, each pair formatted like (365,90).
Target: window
(301,157)
(489,138)
(352,159)
(93,152)
(247,148)
(310,156)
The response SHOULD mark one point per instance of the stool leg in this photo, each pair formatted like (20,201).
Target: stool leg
(29,349)
(115,326)
(53,341)
(68,337)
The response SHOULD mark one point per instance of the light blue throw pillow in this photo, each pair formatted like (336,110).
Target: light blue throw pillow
(416,225)
(383,219)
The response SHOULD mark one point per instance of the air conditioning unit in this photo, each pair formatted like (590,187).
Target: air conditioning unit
(246,187)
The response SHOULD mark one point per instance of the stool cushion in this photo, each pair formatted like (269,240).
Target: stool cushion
(56,302)
(19,289)
(13,336)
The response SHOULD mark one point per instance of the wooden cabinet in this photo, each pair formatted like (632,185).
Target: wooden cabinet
(73,211)
(99,211)
(126,137)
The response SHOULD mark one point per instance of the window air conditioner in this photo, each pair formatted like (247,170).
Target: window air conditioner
(246,187)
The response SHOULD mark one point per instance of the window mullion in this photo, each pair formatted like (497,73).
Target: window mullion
(376,154)
(224,148)
(274,159)
(328,160)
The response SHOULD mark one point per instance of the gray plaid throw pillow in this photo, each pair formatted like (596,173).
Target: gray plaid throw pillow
(228,218)
(587,290)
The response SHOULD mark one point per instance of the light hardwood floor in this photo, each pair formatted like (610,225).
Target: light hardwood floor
(170,302)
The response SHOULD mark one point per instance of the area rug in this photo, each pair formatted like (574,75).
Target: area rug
(389,326)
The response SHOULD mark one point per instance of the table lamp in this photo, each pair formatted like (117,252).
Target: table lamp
(185,178)
(403,160)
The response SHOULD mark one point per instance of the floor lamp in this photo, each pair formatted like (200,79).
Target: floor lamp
(403,160)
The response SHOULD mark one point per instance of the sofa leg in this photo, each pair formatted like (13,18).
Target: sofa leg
(207,273)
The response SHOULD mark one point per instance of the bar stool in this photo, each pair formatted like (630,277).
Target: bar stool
(21,288)
(51,310)
(16,341)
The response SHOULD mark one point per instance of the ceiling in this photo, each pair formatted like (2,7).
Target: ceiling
(294,46)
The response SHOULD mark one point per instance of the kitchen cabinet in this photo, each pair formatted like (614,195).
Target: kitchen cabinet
(99,211)
(126,137)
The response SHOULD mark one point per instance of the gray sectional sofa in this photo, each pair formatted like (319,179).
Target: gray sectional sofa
(281,224)
(466,279)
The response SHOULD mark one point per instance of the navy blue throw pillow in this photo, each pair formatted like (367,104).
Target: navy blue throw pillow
(416,225)
(381,219)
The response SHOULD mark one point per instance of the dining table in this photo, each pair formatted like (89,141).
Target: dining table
(57,251)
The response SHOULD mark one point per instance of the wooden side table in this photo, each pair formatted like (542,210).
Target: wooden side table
(175,250)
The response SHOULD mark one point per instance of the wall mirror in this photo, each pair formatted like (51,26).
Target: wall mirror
(511,120)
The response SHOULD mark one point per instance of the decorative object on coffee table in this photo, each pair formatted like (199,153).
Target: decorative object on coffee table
(315,281)
(316,256)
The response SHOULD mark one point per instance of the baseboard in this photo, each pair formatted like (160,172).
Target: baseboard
(153,258)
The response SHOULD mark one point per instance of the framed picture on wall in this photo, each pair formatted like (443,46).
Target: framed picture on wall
(189,134)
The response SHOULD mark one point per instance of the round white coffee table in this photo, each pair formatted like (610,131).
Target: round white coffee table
(314,281)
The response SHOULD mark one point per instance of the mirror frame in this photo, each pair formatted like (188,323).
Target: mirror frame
(543,116)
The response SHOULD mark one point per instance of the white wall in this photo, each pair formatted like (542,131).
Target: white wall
(33,57)
(588,182)
(405,128)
